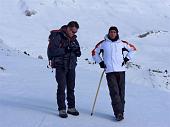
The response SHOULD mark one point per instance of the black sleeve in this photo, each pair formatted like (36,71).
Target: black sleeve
(54,49)
(78,51)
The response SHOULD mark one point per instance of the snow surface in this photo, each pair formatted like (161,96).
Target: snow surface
(28,87)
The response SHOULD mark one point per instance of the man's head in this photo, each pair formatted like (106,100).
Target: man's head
(72,28)
(113,33)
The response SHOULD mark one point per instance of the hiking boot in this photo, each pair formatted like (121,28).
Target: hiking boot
(63,114)
(119,117)
(72,111)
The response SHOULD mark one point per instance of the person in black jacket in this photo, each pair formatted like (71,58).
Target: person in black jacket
(63,50)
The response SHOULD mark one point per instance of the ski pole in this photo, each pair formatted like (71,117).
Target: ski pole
(97,93)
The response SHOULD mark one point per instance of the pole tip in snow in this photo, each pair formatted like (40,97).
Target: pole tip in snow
(91,114)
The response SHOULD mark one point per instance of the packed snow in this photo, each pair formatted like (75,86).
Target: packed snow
(28,87)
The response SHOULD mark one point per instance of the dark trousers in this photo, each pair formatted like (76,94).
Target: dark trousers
(116,84)
(66,81)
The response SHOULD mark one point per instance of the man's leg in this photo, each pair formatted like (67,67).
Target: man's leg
(61,80)
(114,92)
(121,83)
(70,88)
(70,92)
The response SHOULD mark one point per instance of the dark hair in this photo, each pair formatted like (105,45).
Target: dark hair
(113,28)
(73,24)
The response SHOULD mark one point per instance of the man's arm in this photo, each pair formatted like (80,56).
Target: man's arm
(54,47)
(96,53)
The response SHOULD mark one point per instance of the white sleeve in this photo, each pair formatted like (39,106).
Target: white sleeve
(96,53)
(131,49)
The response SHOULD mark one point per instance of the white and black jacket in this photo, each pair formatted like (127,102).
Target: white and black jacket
(112,54)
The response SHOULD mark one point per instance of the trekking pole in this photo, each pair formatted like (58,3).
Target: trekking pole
(97,93)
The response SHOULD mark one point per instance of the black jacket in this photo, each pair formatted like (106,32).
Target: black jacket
(62,50)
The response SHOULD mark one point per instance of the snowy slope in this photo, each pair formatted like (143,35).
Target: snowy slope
(94,17)
(28,98)
(28,87)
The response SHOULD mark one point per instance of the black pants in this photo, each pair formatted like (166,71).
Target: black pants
(66,81)
(116,84)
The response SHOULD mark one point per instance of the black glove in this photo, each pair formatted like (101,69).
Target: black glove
(72,47)
(77,52)
(102,65)
(68,49)
(125,60)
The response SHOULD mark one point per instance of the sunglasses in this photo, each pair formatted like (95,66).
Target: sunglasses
(72,31)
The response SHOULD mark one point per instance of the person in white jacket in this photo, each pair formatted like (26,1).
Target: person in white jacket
(115,54)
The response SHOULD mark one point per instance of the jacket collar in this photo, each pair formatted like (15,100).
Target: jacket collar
(107,39)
